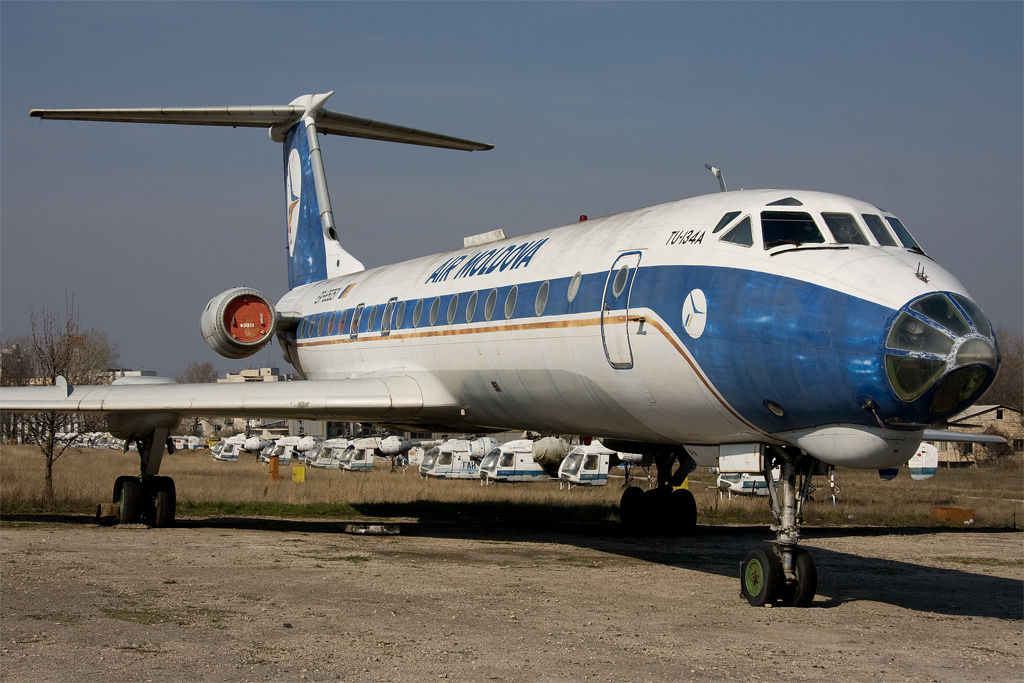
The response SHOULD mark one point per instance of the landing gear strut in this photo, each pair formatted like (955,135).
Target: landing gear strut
(665,508)
(783,571)
(148,498)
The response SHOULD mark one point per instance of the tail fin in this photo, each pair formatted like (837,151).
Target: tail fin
(314,250)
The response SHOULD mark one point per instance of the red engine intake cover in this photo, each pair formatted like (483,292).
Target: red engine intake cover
(247,319)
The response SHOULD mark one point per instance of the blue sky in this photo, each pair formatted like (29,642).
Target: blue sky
(593,108)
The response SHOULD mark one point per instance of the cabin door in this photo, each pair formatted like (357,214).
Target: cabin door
(615,310)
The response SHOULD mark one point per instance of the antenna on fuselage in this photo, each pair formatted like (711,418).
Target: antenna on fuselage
(717,172)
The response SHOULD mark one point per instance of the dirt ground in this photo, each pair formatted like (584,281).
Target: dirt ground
(248,599)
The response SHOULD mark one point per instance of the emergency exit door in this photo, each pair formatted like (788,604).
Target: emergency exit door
(615,310)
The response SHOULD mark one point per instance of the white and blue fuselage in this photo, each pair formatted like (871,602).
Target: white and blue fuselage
(667,329)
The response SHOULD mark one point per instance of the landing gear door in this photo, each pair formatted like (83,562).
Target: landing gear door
(615,310)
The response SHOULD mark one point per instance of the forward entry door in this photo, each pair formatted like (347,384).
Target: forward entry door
(615,310)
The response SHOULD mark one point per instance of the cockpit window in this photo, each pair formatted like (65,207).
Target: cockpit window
(941,310)
(844,228)
(902,233)
(878,229)
(788,201)
(789,227)
(726,220)
(741,234)
(911,334)
(976,315)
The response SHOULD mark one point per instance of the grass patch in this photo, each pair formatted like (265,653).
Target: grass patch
(208,488)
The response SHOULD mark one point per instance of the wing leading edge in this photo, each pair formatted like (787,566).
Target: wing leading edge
(358,399)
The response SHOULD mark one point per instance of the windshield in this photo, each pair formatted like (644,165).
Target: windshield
(844,228)
(789,227)
(490,460)
(430,458)
(572,463)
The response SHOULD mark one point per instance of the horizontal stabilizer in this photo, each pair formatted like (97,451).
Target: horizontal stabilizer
(279,116)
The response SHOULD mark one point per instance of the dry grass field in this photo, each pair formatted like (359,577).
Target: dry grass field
(84,478)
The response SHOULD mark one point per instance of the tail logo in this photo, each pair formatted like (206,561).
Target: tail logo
(294,191)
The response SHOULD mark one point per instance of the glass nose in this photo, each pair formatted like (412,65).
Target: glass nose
(941,351)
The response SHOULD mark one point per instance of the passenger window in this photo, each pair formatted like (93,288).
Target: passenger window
(726,220)
(356,314)
(574,287)
(320,326)
(510,301)
(844,228)
(370,318)
(330,323)
(385,320)
(341,322)
(416,312)
(492,299)
(741,234)
(453,308)
(902,233)
(541,301)
(789,227)
(471,307)
(399,315)
(435,307)
(878,229)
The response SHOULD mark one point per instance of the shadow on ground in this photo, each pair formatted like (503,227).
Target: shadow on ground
(843,577)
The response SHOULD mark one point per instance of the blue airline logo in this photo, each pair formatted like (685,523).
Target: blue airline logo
(486,261)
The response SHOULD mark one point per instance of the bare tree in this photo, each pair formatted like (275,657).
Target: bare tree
(1008,389)
(17,368)
(198,373)
(59,348)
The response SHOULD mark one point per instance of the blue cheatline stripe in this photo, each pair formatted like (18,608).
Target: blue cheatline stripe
(814,351)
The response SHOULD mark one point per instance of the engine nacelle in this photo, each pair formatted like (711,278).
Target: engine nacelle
(238,323)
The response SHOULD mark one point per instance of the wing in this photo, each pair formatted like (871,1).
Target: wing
(947,435)
(361,399)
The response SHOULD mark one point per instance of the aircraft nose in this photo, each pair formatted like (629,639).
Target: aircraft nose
(940,354)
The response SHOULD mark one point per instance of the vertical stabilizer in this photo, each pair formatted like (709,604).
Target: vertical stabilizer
(314,251)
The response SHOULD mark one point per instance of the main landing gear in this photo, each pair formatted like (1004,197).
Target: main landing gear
(664,509)
(148,498)
(783,572)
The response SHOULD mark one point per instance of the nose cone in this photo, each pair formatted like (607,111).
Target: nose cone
(940,356)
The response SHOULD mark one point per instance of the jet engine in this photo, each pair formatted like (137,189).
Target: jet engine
(237,323)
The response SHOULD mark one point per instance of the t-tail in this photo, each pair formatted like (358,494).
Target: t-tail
(314,241)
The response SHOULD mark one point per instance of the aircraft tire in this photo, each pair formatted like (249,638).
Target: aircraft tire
(132,501)
(118,485)
(684,511)
(800,593)
(164,502)
(163,513)
(632,508)
(761,576)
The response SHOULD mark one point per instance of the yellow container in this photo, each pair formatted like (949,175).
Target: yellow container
(299,473)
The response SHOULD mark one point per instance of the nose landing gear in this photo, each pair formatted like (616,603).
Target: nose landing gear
(783,572)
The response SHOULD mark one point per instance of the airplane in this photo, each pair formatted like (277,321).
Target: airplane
(806,328)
